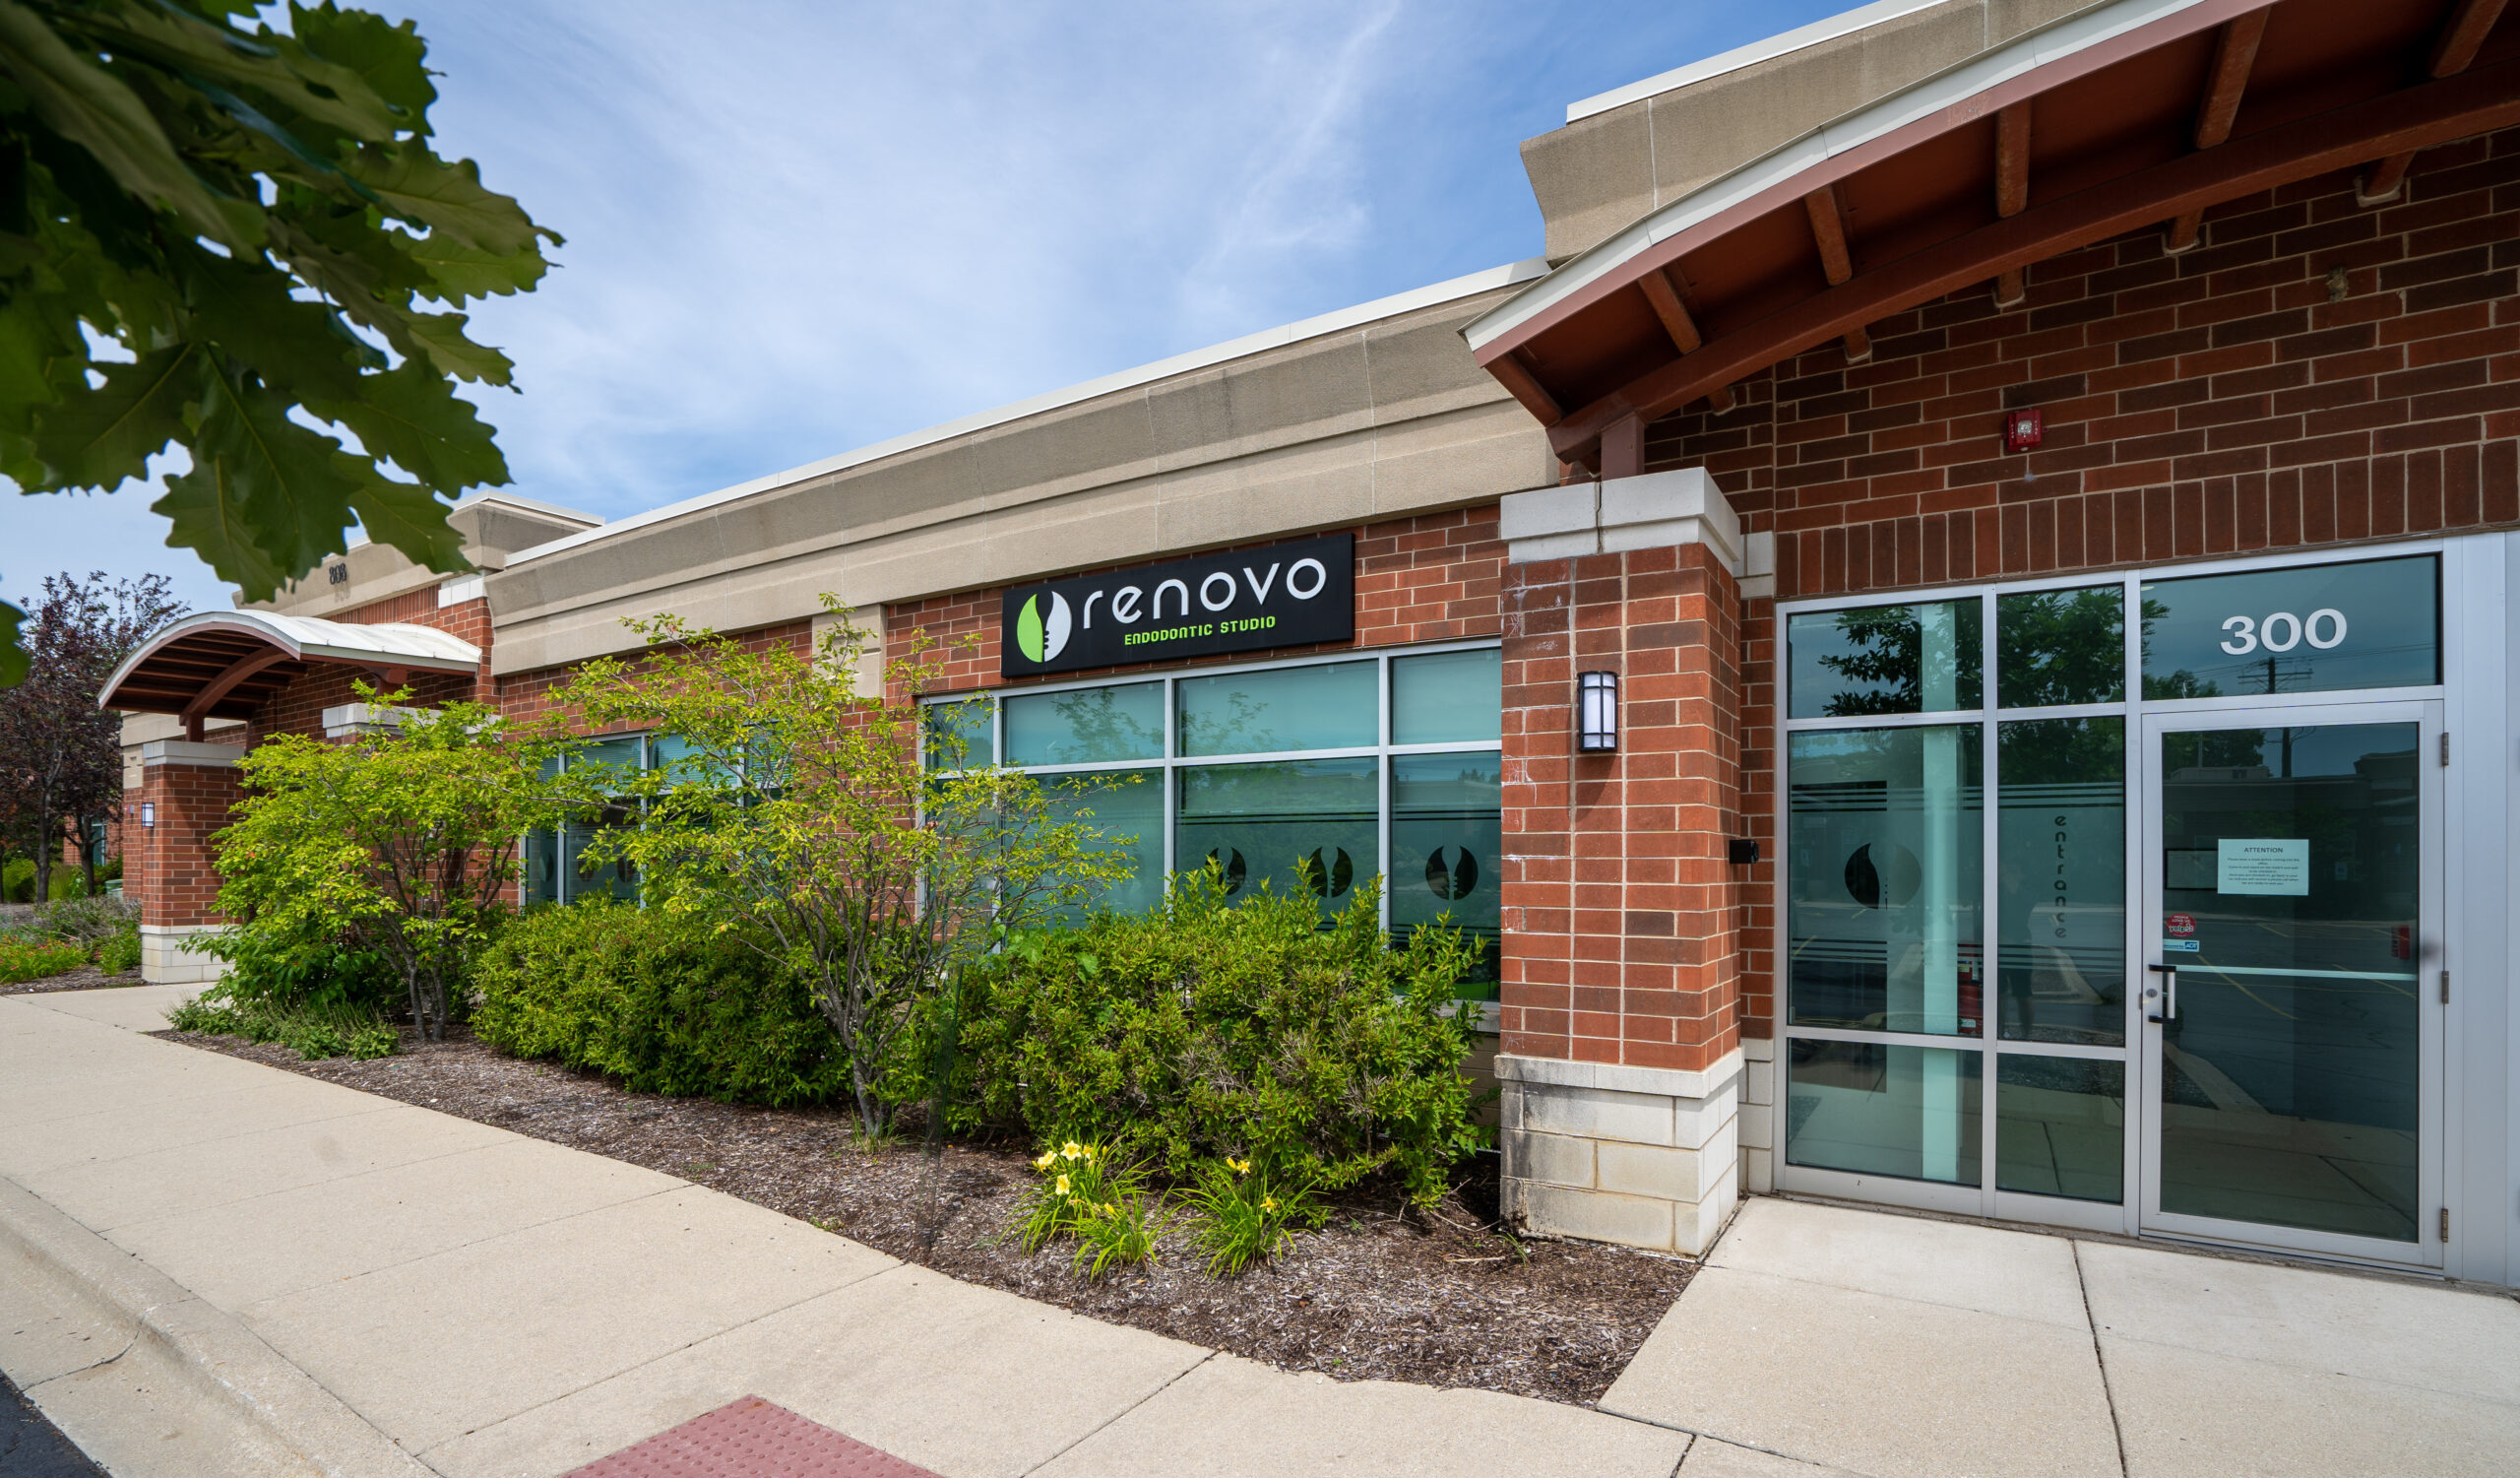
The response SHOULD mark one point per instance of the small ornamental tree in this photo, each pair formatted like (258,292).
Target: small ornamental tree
(797,811)
(404,839)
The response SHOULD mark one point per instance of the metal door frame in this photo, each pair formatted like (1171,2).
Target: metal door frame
(2147,1076)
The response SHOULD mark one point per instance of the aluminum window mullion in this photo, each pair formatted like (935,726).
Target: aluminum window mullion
(1382,785)
(1949,716)
(1989,885)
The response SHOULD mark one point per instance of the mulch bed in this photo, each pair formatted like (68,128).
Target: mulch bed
(1441,1299)
(85,978)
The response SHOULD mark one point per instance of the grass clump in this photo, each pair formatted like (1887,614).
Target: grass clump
(313,1031)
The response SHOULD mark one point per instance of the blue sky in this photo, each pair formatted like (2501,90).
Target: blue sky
(796,229)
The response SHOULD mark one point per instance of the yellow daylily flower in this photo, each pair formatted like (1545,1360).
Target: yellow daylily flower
(1049,1157)
(1240,1167)
(1064,1185)
(1268,1203)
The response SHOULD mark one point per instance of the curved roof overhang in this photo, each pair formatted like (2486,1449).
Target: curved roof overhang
(225,664)
(2139,114)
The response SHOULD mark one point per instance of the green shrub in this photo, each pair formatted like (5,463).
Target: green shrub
(1210,1030)
(329,1030)
(87,921)
(292,969)
(658,1001)
(119,952)
(17,881)
(26,959)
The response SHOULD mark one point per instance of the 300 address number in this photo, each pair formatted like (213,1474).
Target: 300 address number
(2282,631)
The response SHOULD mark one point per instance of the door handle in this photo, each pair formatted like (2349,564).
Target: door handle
(2165,997)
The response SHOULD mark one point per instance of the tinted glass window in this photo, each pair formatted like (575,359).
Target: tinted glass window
(2376,623)
(1447,697)
(1885,659)
(2055,647)
(1086,725)
(1328,707)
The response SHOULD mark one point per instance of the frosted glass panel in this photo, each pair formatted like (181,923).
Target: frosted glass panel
(1300,825)
(1087,726)
(1335,706)
(1447,848)
(1447,697)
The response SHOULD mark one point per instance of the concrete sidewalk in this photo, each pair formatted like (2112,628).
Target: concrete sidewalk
(1895,1346)
(210,1266)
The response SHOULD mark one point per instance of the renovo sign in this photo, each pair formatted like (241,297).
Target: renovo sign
(1286,595)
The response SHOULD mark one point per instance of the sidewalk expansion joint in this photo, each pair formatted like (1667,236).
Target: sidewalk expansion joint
(1107,1424)
(2117,1428)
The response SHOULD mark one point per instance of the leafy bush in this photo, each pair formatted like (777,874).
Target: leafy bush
(1207,1030)
(24,959)
(659,1001)
(292,964)
(119,952)
(89,921)
(330,1030)
(17,881)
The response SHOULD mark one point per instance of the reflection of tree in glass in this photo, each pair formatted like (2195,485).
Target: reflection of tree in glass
(2180,684)
(1234,731)
(2060,646)
(1102,729)
(1889,660)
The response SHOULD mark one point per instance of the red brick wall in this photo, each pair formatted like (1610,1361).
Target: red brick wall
(1437,577)
(2315,374)
(169,870)
(1622,914)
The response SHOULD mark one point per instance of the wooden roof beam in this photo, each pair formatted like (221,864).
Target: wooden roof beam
(2410,118)
(1828,214)
(1519,381)
(2234,54)
(2012,187)
(1668,308)
(2452,54)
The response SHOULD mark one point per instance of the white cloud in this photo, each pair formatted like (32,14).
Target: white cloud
(794,229)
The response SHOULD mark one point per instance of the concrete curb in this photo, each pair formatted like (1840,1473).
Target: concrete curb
(219,1362)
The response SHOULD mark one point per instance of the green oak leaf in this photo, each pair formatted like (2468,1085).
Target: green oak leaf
(266,500)
(209,52)
(413,418)
(443,195)
(103,437)
(411,519)
(461,272)
(388,56)
(13,651)
(441,337)
(101,114)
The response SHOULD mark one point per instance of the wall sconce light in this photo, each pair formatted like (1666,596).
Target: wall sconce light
(1596,713)
(148,814)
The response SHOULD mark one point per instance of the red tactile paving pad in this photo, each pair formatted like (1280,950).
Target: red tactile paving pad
(750,1438)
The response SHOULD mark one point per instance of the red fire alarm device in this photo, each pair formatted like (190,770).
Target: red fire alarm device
(2022,429)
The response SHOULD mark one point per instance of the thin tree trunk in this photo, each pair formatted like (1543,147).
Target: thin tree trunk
(87,854)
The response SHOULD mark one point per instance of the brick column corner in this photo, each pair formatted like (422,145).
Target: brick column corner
(187,792)
(1621,1054)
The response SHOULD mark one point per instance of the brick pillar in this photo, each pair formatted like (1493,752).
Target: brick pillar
(1621,1051)
(186,792)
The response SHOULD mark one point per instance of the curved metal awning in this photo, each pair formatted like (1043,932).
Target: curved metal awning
(224,664)
(2139,114)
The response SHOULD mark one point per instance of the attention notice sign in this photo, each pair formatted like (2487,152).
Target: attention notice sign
(1286,595)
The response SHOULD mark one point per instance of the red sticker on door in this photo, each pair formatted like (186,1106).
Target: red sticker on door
(2180,924)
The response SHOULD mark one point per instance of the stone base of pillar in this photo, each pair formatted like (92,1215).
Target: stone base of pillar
(1647,1157)
(168,958)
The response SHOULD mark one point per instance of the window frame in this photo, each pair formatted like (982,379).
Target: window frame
(1988,1198)
(1171,761)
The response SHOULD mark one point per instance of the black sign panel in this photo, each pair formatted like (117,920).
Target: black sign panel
(1284,596)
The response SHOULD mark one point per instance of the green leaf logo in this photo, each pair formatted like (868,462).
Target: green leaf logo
(1041,635)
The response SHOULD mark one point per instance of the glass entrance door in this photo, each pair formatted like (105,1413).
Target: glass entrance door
(2290,992)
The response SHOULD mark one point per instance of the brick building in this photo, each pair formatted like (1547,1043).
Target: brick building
(1952,631)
